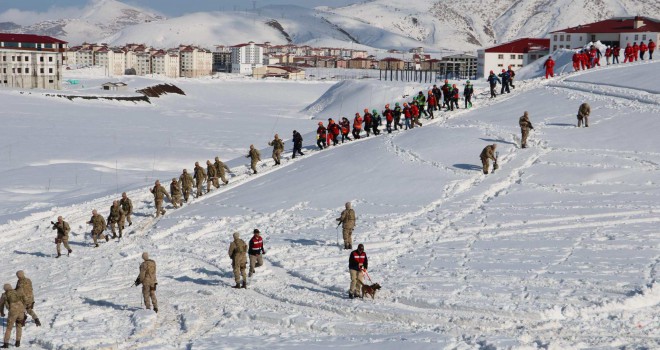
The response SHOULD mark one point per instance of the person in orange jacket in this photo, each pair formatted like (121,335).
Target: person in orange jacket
(628,53)
(635,48)
(576,61)
(357,126)
(651,47)
(642,50)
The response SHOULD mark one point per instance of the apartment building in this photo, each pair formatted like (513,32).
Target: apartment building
(31,61)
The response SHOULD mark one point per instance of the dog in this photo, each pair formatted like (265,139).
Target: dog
(370,290)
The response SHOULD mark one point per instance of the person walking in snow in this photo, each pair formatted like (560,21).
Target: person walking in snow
(159,193)
(147,278)
(98,226)
(368,120)
(237,253)
(127,205)
(438,96)
(415,113)
(642,50)
(357,265)
(549,67)
(221,169)
(576,61)
(176,193)
(297,144)
(389,118)
(63,230)
(347,220)
(255,157)
(200,176)
(616,51)
(256,249)
(211,176)
(278,148)
(321,136)
(24,286)
(421,103)
(345,127)
(487,154)
(15,303)
(357,126)
(608,55)
(651,47)
(375,122)
(455,96)
(525,127)
(635,49)
(505,82)
(397,116)
(512,74)
(446,94)
(116,217)
(628,53)
(493,80)
(583,115)
(468,92)
(333,131)
(407,114)
(432,103)
(186,181)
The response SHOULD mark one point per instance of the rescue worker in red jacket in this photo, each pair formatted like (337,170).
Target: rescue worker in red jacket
(368,120)
(584,60)
(635,48)
(432,103)
(357,265)
(608,54)
(628,53)
(651,47)
(389,118)
(321,136)
(333,132)
(576,61)
(642,50)
(357,126)
(414,110)
(616,51)
(549,67)
(345,129)
(256,249)
(407,114)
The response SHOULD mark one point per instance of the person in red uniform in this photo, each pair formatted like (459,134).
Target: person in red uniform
(616,51)
(255,251)
(345,129)
(642,50)
(651,48)
(549,67)
(608,55)
(333,132)
(389,118)
(432,103)
(628,53)
(407,113)
(357,265)
(576,61)
(357,126)
(635,48)
(368,121)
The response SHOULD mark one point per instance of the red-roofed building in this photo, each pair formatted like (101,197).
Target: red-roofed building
(246,57)
(517,53)
(615,31)
(31,61)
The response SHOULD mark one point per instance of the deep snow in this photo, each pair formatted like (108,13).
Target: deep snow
(556,250)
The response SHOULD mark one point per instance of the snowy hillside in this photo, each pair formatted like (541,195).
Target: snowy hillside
(99,19)
(558,249)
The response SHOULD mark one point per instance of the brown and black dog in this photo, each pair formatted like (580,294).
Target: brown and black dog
(370,289)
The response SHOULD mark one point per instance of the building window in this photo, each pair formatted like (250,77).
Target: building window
(500,57)
(593,38)
(50,81)
(561,37)
(636,38)
(520,57)
(500,65)
(50,59)
(554,47)
(561,46)
(643,36)
(568,37)
(4,58)
(18,58)
(19,70)
(554,37)
(27,70)
(520,65)
(41,70)
(513,57)
(41,59)
(27,58)
(50,70)
(580,38)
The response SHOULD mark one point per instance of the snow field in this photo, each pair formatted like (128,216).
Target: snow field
(555,250)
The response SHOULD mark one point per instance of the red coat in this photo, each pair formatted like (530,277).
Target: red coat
(635,49)
(643,47)
(628,51)
(616,51)
(407,113)
(414,110)
(549,64)
(321,131)
(608,52)
(431,100)
(357,122)
(651,46)
(576,57)
(334,128)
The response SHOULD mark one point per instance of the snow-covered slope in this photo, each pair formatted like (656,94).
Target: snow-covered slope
(97,20)
(558,249)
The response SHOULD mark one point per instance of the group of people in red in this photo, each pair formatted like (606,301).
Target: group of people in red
(589,58)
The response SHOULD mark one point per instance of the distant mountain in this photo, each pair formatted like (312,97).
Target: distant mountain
(99,19)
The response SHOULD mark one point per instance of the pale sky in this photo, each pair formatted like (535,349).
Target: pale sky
(170,8)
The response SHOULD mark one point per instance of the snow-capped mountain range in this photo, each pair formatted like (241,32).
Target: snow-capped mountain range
(384,24)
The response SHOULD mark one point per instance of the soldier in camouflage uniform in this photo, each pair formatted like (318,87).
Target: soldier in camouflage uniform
(200,177)
(117,217)
(175,192)
(347,220)
(15,304)
(238,255)
(186,182)
(486,154)
(127,205)
(24,286)
(583,115)
(147,278)
(212,178)
(254,158)
(63,230)
(98,226)
(278,148)
(159,193)
(525,126)
(220,168)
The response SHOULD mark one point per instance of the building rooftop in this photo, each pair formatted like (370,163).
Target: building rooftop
(616,25)
(29,38)
(523,45)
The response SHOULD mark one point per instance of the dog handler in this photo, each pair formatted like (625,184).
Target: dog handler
(357,262)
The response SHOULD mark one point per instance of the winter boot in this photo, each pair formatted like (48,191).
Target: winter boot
(18,344)
(254,172)
(5,346)
(107,238)
(350,295)
(156,310)
(350,246)
(238,285)
(96,245)
(69,253)
(244,285)
(58,255)
(37,322)
(114,236)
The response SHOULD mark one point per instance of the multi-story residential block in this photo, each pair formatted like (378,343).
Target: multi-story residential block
(615,31)
(195,62)
(517,53)
(245,57)
(31,61)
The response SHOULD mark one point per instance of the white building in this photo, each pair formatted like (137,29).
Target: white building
(615,31)
(31,61)
(167,64)
(143,63)
(517,54)
(195,62)
(113,61)
(245,57)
